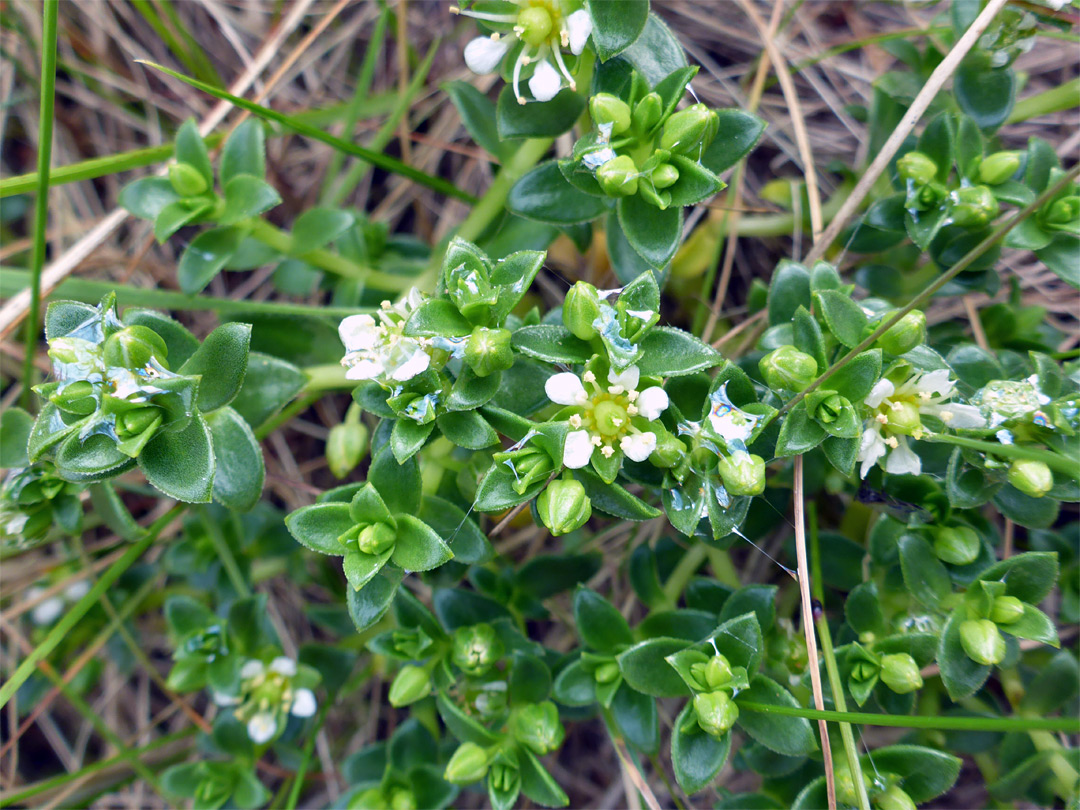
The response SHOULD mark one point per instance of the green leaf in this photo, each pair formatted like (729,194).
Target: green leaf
(985,95)
(788,290)
(461,725)
(1035,625)
(269,384)
(799,433)
(238,460)
(437,317)
(1029,577)
(791,736)
(398,484)
(367,605)
(478,114)
(645,669)
(656,53)
(469,391)
(360,568)
(205,257)
(467,429)
(936,142)
(863,609)
(247,196)
(244,152)
(616,24)
(761,599)
(671,352)
(536,119)
(696,757)
(1032,513)
(574,686)
(857,378)
(111,509)
(418,546)
(319,526)
(599,625)
(147,197)
(222,362)
(844,317)
(925,577)
(544,195)
(185,615)
(181,463)
(15,427)
(807,336)
(961,675)
(175,216)
(496,491)
(653,233)
(537,783)
(552,344)
(737,134)
(1054,686)
(1061,257)
(614,499)
(468,544)
(529,681)
(695,184)
(636,716)
(407,437)
(925,772)
(191,149)
(318,227)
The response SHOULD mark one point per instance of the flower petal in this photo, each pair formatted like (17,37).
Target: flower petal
(628,379)
(903,460)
(546,82)
(483,54)
(416,362)
(955,415)
(579,26)
(935,382)
(881,390)
(221,699)
(261,728)
(48,611)
(77,590)
(652,402)
(283,666)
(251,669)
(358,333)
(565,389)
(871,448)
(364,370)
(303,704)
(638,446)
(578,449)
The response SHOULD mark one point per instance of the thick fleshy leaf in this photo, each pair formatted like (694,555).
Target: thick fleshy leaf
(536,119)
(319,526)
(616,24)
(791,736)
(544,195)
(238,480)
(599,625)
(205,257)
(222,363)
(653,233)
(398,484)
(671,352)
(636,716)
(244,152)
(418,546)
(696,757)
(645,668)
(181,463)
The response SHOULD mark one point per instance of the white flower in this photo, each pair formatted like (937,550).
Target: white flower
(303,704)
(48,611)
(77,590)
(378,350)
(283,666)
(543,30)
(221,699)
(252,669)
(609,418)
(262,727)
(894,415)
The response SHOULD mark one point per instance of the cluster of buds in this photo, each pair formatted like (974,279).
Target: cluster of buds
(898,671)
(884,790)
(714,705)
(476,649)
(34,500)
(969,206)
(268,694)
(988,608)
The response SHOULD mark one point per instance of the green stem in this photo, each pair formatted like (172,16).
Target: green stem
(80,608)
(1056,99)
(1069,725)
(41,201)
(691,561)
(723,568)
(329,377)
(298,405)
(228,560)
(1052,460)
(825,642)
(965,262)
(491,204)
(298,777)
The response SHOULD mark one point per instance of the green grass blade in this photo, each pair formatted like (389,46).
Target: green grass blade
(199,66)
(375,158)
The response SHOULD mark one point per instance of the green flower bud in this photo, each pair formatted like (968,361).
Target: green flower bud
(134,422)
(926,198)
(742,473)
(376,539)
(370,799)
(468,764)
(647,113)
(974,206)
(402,799)
(606,672)
(670,449)
(1006,610)
(689,131)
(830,408)
(76,397)
(529,465)
(504,777)
(488,351)
(665,175)
(345,447)
(893,798)
(788,369)
(1062,214)
(564,506)
(411,684)
(537,727)
(1031,477)
(998,167)
(900,673)
(905,334)
(845,784)
(608,109)
(981,641)
(580,310)
(917,167)
(903,418)
(716,712)
(712,674)
(476,648)
(957,545)
(187,181)
(618,177)
(134,347)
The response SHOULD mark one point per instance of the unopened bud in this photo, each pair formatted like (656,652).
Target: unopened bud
(917,167)
(134,347)
(689,131)
(845,784)
(537,727)
(411,684)
(186,180)
(743,473)
(893,798)
(345,447)
(998,167)
(468,764)
(476,648)
(903,418)
(670,449)
(134,422)
(534,25)
(608,109)
(564,506)
(1062,214)
(402,799)
(1031,477)
(606,672)
(1006,610)
(900,673)
(488,351)
(788,369)
(580,309)
(618,177)
(956,545)
(376,539)
(504,777)
(712,674)
(974,206)
(665,175)
(76,397)
(982,642)
(647,113)
(830,408)
(529,465)
(716,712)
(926,198)
(905,334)
(370,799)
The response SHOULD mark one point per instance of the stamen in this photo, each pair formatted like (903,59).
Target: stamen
(632,395)
(575,421)
(596,440)
(631,410)
(480,15)
(607,451)
(892,442)
(882,418)
(588,377)
(561,64)
(521,61)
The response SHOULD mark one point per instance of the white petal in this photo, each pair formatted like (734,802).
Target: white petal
(579,26)
(303,704)
(955,415)
(871,448)
(221,699)
(77,590)
(546,82)
(638,446)
(417,363)
(364,370)
(565,389)
(652,402)
(578,449)
(483,54)
(251,669)
(413,299)
(935,382)
(903,460)
(283,666)
(881,390)
(48,611)
(261,728)
(358,333)
(628,379)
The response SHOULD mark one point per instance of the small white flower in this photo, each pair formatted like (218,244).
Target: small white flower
(882,389)
(638,446)
(221,699)
(483,54)
(262,727)
(628,378)
(359,333)
(546,82)
(303,704)
(652,402)
(378,350)
(565,389)
(252,668)
(283,666)
(579,26)
(578,449)
(902,460)
(48,611)
(871,448)
(77,590)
